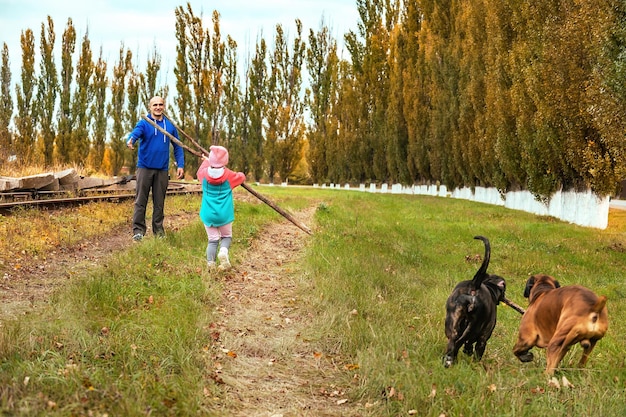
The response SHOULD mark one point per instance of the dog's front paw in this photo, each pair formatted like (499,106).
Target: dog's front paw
(448,361)
(526,357)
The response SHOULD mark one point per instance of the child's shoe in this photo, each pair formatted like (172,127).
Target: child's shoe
(223,258)
(212,265)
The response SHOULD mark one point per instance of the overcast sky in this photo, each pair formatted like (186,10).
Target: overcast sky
(143,25)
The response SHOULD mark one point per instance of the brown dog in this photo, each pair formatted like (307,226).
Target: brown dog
(559,317)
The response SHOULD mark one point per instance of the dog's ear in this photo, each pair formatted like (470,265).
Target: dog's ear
(529,286)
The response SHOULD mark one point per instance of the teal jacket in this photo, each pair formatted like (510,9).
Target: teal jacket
(217,208)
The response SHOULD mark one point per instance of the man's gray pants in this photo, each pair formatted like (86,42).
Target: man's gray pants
(157,181)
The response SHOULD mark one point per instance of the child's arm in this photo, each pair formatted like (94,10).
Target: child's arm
(203,171)
(235,179)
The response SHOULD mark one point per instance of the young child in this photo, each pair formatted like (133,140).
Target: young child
(217,211)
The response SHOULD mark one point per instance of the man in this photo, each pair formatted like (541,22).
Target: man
(152,167)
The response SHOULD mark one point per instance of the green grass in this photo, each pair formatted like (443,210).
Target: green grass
(129,338)
(395,259)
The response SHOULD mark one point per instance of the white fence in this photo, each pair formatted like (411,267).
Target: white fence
(583,209)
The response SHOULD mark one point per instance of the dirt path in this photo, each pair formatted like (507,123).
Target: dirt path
(266,365)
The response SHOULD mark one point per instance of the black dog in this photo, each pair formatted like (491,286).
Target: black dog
(471,311)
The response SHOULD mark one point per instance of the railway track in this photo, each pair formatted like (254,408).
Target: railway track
(9,201)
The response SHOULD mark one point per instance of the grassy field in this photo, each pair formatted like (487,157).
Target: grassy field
(395,259)
(128,338)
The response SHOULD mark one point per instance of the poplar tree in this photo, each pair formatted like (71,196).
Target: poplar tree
(26,118)
(343,164)
(574,56)
(65,117)
(134,109)
(254,109)
(321,100)
(6,106)
(416,93)
(369,49)
(475,152)
(396,126)
(119,128)
(499,113)
(232,104)
(605,156)
(83,99)
(195,41)
(148,80)
(183,100)
(98,111)
(284,114)
(215,72)
(48,88)
(443,69)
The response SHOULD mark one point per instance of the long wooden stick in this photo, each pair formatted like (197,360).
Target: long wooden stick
(278,209)
(244,185)
(172,138)
(513,305)
(197,145)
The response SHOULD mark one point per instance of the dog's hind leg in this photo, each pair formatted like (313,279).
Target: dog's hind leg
(523,346)
(557,348)
(481,346)
(468,348)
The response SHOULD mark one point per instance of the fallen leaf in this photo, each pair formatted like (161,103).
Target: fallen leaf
(351,366)
(232,354)
(412,412)
(537,390)
(343,401)
(150,300)
(492,388)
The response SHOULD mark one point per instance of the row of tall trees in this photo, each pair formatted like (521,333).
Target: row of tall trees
(511,95)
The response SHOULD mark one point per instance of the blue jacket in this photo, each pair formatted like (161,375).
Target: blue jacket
(154,146)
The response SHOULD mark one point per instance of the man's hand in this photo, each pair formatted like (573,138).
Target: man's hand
(180,173)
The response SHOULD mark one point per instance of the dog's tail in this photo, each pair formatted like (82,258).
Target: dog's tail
(481,274)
